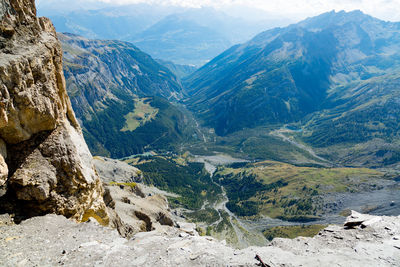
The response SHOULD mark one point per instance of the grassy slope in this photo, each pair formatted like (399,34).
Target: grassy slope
(362,128)
(281,190)
(142,114)
(293,231)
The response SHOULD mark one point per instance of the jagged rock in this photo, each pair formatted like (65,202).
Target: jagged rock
(5,219)
(358,219)
(131,210)
(63,242)
(164,219)
(46,166)
(135,213)
(189,228)
(370,222)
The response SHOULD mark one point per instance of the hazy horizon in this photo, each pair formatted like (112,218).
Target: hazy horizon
(294,10)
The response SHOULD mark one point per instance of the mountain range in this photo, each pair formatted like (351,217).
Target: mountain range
(189,36)
(334,75)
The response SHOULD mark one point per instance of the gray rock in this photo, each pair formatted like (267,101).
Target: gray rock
(111,170)
(189,228)
(356,219)
(132,213)
(43,241)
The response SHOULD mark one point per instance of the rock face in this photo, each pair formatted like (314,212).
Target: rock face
(377,244)
(45,165)
(132,207)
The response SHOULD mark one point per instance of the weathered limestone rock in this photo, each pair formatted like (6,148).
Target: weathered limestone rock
(131,211)
(3,165)
(44,160)
(376,245)
(358,219)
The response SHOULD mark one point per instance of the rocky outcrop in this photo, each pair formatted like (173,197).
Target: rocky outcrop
(377,244)
(132,213)
(112,170)
(45,165)
(133,207)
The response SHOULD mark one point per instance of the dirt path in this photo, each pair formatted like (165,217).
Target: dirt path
(280,134)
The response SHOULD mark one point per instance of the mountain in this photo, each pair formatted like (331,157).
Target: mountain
(284,75)
(103,22)
(121,96)
(180,71)
(196,35)
(181,40)
(365,117)
(189,36)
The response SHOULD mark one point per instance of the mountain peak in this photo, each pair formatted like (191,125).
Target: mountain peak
(333,18)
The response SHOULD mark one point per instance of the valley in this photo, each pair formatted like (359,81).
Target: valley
(283,134)
(252,145)
(111,156)
(244,201)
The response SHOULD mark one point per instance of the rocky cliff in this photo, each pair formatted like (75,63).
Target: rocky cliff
(45,165)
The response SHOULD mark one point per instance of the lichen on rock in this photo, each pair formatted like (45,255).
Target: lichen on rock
(45,164)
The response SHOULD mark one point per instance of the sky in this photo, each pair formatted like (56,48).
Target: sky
(382,9)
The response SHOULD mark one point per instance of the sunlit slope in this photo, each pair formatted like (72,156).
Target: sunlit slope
(288,192)
(285,74)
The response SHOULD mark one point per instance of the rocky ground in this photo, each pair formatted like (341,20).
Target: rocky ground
(54,240)
(132,206)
